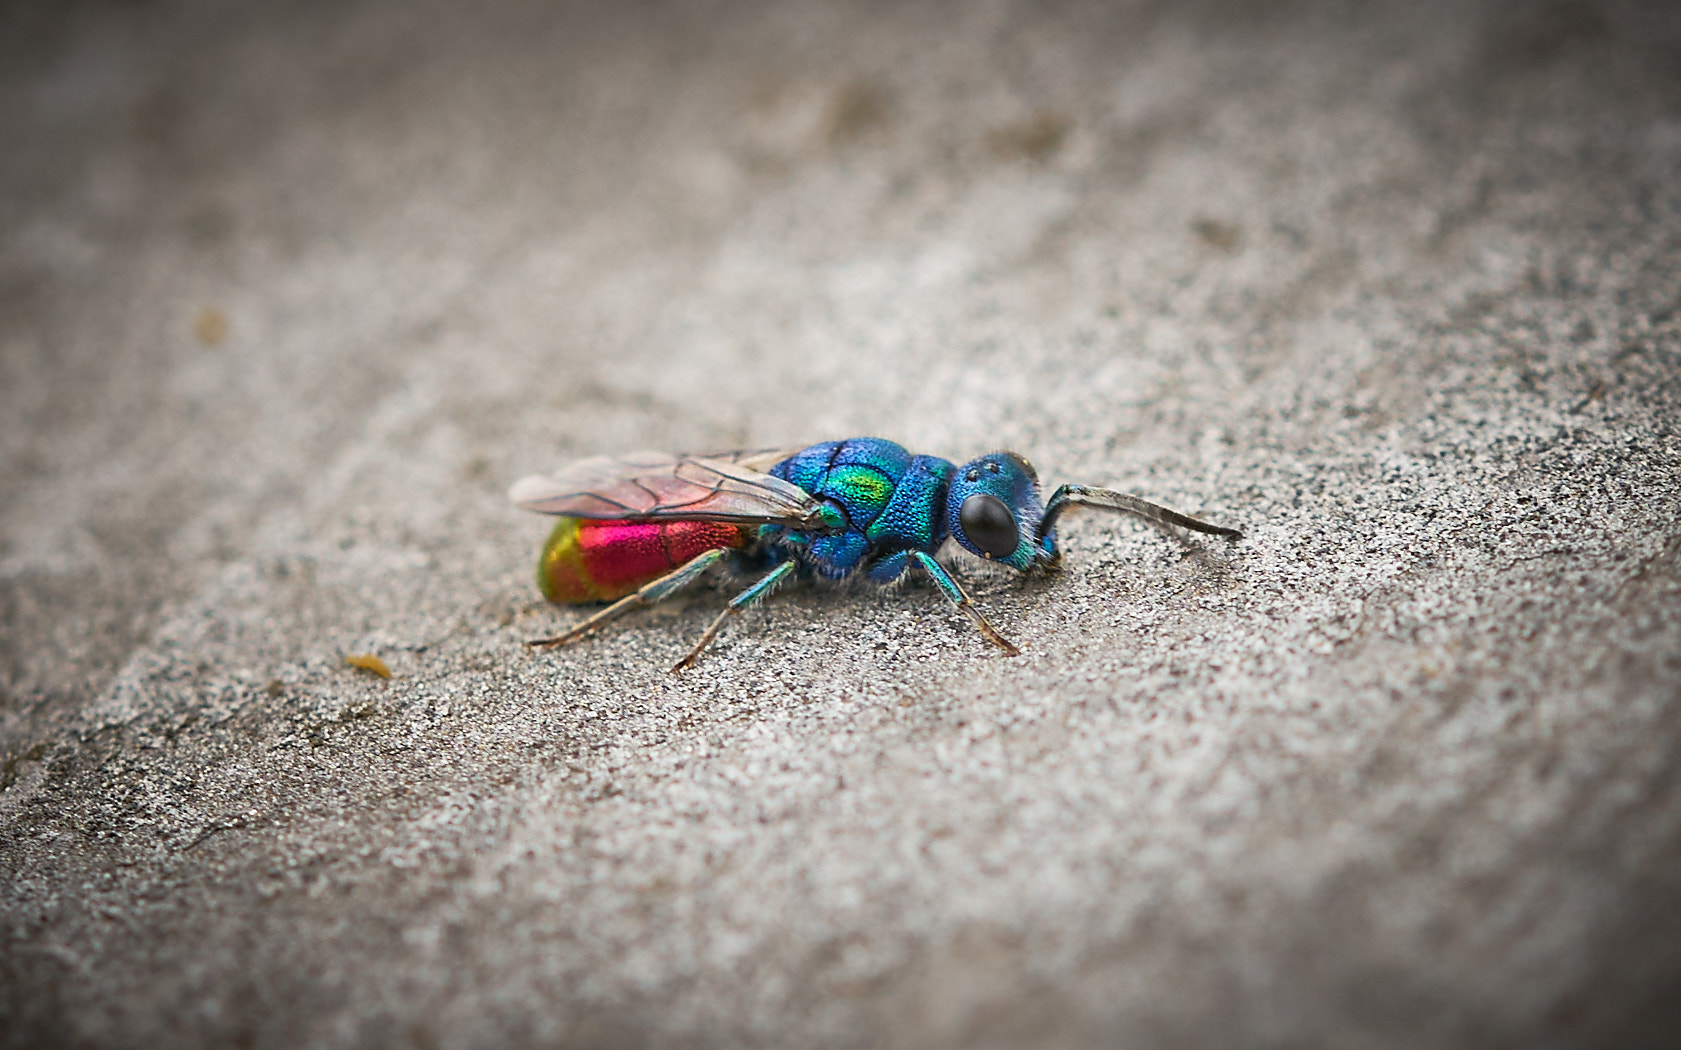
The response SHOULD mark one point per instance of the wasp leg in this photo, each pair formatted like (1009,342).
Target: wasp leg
(657,591)
(890,567)
(949,585)
(764,586)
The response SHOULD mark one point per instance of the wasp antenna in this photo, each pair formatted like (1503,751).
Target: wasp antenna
(1108,499)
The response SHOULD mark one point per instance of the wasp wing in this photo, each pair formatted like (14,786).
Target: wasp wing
(656,485)
(759,459)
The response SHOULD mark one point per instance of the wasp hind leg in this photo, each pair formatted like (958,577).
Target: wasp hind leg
(750,596)
(952,590)
(648,594)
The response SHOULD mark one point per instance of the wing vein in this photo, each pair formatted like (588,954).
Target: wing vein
(653,486)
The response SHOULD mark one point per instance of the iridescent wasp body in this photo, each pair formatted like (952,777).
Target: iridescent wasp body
(637,529)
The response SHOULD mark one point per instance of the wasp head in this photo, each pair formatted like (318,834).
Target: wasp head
(993,509)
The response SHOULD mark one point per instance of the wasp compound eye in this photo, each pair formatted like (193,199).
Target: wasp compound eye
(989,525)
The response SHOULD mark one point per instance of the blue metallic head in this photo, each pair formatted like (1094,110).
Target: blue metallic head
(993,509)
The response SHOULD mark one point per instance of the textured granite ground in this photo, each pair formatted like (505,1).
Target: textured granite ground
(289,293)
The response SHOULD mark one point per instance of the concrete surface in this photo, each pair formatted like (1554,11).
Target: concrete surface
(289,293)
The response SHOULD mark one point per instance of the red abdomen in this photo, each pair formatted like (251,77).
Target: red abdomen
(601,561)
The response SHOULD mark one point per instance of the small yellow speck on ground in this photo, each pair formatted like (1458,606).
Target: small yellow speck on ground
(210,326)
(369,662)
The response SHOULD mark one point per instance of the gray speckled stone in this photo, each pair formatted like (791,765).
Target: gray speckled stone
(1393,291)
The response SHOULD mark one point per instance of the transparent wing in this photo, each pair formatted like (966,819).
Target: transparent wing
(759,459)
(652,485)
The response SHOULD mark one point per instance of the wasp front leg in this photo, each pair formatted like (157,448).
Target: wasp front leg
(952,590)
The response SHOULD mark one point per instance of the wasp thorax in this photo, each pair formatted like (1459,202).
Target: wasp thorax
(989,525)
